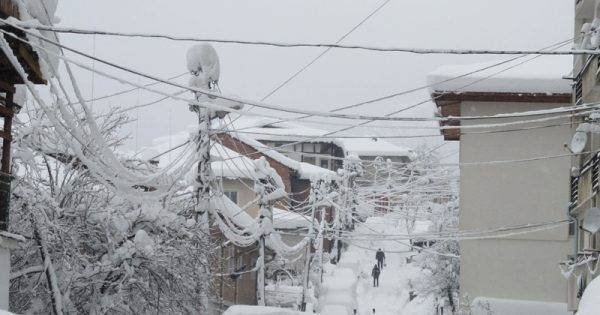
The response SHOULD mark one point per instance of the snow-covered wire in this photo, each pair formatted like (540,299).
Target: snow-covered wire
(249,102)
(304,44)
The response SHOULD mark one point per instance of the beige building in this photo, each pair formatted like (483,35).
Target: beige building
(584,177)
(528,184)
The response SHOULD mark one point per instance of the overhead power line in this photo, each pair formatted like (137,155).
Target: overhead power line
(73,30)
(354,28)
(366,118)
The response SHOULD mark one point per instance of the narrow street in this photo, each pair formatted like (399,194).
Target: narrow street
(396,279)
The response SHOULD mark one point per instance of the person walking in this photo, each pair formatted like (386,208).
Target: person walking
(375,274)
(380,256)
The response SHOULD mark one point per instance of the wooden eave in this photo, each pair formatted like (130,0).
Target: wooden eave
(449,104)
(24,52)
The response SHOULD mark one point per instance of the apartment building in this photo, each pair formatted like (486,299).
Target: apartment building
(511,173)
(585,167)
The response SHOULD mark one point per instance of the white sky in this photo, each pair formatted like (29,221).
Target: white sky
(341,77)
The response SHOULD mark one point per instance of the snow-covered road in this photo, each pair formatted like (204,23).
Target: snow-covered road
(392,295)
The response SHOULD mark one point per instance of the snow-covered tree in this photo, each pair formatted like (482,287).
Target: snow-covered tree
(441,209)
(89,248)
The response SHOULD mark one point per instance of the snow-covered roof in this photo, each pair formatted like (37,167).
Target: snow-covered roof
(371,147)
(288,220)
(226,162)
(540,75)
(304,170)
(267,129)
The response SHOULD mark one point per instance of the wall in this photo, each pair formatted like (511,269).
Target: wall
(4,277)
(244,192)
(491,196)
(244,149)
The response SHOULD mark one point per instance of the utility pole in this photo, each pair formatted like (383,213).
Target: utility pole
(311,233)
(203,64)
(352,170)
(269,187)
(321,238)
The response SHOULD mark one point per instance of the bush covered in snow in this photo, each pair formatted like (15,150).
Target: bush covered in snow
(90,249)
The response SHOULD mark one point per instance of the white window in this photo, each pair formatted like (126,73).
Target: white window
(232,195)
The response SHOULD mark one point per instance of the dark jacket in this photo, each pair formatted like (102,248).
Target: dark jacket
(375,272)
(380,255)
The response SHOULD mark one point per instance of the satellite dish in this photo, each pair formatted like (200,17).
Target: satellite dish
(202,60)
(578,142)
(591,221)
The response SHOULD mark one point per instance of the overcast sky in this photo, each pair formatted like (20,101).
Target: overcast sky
(340,77)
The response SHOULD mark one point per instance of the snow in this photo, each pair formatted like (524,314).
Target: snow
(338,291)
(283,295)
(203,58)
(232,211)
(20,96)
(12,236)
(353,274)
(41,10)
(226,163)
(259,310)
(336,309)
(304,170)
(266,129)
(590,301)
(143,242)
(371,147)
(289,220)
(541,75)
(483,306)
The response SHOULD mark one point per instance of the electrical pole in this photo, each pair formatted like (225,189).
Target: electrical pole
(311,232)
(269,187)
(203,64)
(352,170)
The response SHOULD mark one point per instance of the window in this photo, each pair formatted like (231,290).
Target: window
(318,147)
(309,159)
(308,147)
(325,163)
(232,195)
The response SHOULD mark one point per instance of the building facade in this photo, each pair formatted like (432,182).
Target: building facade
(512,173)
(581,267)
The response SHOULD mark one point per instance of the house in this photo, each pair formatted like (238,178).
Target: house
(529,184)
(9,77)
(308,144)
(232,164)
(585,168)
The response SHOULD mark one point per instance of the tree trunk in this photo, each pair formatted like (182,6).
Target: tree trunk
(56,296)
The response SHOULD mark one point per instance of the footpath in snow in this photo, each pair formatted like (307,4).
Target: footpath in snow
(349,283)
